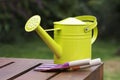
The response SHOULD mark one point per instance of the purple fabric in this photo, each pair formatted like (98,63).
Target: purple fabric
(52,67)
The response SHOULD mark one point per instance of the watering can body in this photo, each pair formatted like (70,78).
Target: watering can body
(72,39)
(75,38)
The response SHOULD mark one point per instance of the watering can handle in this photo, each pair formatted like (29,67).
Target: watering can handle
(93,26)
(95,33)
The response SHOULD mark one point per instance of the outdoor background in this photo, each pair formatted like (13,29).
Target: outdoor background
(15,42)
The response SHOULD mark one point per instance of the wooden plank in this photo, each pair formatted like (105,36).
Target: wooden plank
(96,74)
(77,75)
(19,67)
(4,62)
(22,69)
(35,75)
(101,71)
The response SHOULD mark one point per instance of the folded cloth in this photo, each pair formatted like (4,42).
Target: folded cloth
(73,65)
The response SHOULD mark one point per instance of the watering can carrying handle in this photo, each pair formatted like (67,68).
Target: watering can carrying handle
(91,26)
(95,33)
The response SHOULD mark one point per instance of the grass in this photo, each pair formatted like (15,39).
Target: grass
(111,69)
(37,49)
(104,49)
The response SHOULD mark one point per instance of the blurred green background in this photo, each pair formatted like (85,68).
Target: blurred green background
(15,42)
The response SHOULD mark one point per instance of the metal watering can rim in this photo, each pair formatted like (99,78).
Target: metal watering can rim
(70,21)
(79,20)
(32,23)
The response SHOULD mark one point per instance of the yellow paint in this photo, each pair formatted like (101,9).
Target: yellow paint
(72,37)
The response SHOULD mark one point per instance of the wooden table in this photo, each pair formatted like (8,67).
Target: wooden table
(22,69)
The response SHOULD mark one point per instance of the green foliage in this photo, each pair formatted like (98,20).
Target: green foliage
(14,14)
(108,16)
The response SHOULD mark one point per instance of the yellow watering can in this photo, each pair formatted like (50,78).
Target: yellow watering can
(73,37)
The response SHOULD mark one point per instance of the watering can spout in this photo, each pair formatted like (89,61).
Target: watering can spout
(34,24)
